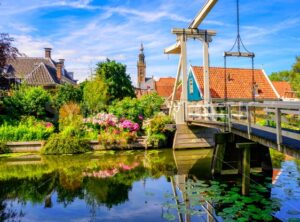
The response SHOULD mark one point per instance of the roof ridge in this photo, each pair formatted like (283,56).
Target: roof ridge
(215,67)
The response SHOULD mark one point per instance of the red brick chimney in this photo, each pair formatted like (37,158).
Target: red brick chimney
(59,70)
(48,53)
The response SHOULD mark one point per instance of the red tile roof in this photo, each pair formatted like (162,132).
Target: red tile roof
(164,87)
(239,83)
(284,89)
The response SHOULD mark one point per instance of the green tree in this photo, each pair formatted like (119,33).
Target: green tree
(295,78)
(281,76)
(94,95)
(68,93)
(27,100)
(115,77)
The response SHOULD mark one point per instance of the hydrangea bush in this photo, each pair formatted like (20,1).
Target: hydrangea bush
(113,131)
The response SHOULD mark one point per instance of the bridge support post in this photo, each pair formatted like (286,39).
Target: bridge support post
(221,141)
(246,147)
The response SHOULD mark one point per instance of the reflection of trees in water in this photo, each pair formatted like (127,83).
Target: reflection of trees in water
(8,213)
(65,176)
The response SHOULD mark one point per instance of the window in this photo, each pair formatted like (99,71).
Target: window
(191,86)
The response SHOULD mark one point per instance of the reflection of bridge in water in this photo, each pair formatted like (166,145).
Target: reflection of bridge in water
(194,166)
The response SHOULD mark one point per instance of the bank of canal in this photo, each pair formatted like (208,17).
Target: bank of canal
(153,185)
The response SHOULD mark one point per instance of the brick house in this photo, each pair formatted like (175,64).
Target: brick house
(36,71)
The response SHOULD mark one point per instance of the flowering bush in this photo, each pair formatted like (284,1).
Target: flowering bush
(113,132)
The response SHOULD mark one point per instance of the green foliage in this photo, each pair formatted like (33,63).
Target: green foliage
(128,108)
(150,104)
(281,76)
(115,77)
(67,93)
(27,100)
(70,117)
(94,95)
(292,76)
(137,109)
(28,129)
(4,148)
(295,79)
(65,144)
(156,128)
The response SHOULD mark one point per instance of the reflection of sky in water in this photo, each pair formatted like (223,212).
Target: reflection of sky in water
(287,189)
(144,205)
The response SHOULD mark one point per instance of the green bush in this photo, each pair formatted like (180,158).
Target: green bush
(156,128)
(28,129)
(137,109)
(4,148)
(64,144)
(27,100)
(67,93)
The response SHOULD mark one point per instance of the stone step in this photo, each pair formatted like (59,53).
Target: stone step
(193,136)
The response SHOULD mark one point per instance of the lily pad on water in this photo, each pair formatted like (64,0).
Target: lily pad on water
(169,216)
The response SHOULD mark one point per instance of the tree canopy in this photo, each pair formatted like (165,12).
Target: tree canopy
(7,51)
(292,76)
(117,80)
(94,95)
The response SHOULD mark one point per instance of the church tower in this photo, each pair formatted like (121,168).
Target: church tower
(141,68)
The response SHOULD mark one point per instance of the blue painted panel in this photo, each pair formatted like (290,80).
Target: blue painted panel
(192,89)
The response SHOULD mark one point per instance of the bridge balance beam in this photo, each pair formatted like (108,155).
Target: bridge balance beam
(246,147)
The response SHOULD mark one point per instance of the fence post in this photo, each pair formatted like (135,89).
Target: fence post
(229,117)
(278,128)
(248,110)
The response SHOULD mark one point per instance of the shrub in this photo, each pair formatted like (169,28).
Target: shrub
(65,144)
(4,148)
(27,101)
(67,93)
(27,129)
(69,116)
(156,128)
(113,132)
(137,109)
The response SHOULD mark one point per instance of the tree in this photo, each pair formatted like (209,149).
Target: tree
(94,95)
(295,78)
(7,51)
(118,82)
(68,93)
(281,76)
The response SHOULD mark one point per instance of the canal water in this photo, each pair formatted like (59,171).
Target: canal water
(153,185)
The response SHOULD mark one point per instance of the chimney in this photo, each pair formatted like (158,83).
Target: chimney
(48,53)
(59,68)
(62,61)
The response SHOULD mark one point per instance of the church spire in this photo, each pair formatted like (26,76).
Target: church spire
(141,68)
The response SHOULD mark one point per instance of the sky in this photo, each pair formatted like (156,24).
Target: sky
(85,32)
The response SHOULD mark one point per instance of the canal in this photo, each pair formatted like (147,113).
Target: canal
(153,185)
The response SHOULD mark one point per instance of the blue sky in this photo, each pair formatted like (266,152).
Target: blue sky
(87,31)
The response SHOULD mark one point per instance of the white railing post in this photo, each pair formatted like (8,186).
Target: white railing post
(278,128)
(229,117)
(248,110)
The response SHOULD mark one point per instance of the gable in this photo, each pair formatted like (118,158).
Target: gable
(192,88)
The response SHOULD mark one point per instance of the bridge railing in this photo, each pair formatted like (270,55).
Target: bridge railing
(277,121)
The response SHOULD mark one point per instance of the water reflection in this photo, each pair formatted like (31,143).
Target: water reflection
(142,186)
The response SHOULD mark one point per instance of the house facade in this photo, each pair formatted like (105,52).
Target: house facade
(285,91)
(36,71)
